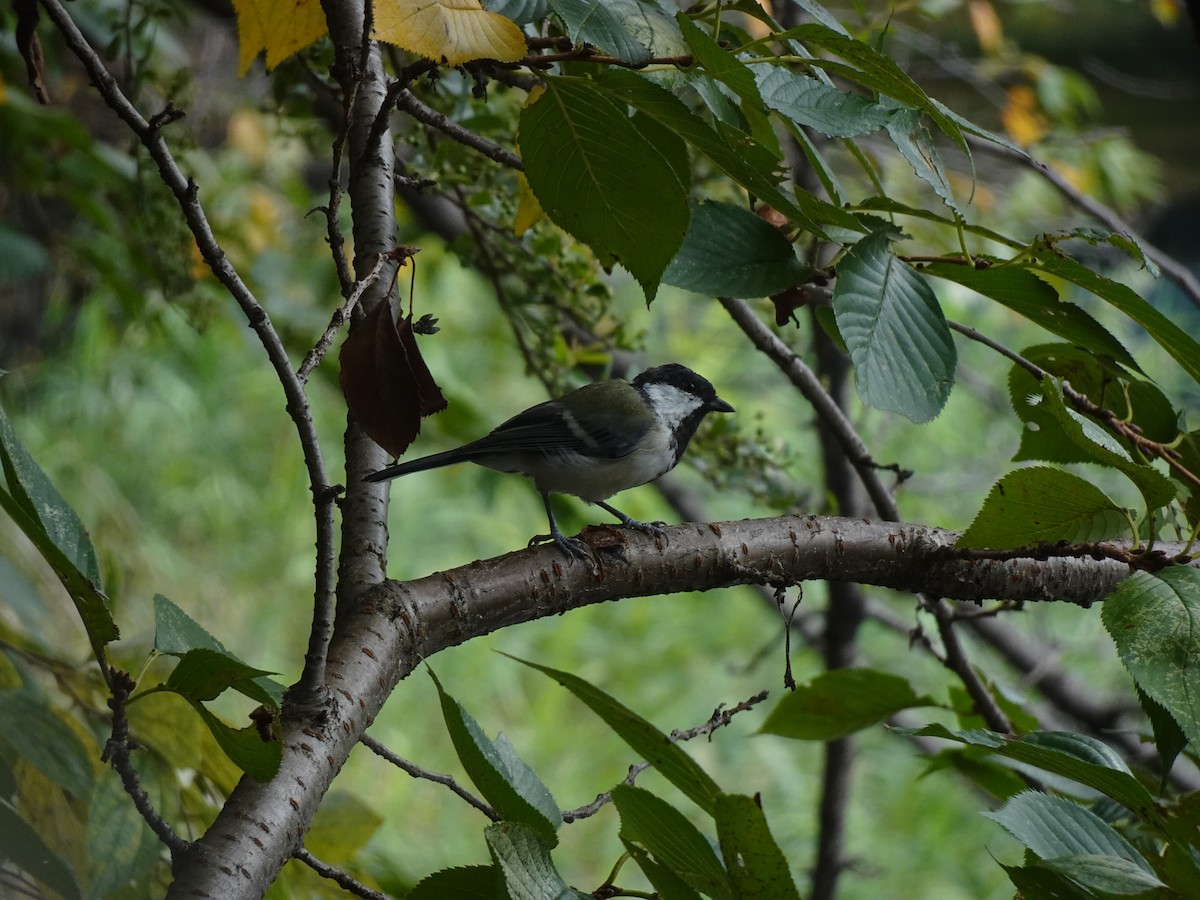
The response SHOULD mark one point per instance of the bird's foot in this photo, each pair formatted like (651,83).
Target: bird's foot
(654,529)
(572,547)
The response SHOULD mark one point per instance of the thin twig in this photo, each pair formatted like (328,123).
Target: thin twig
(341,316)
(344,880)
(719,719)
(434,119)
(1085,405)
(186,191)
(117,751)
(418,772)
(956,661)
(1111,220)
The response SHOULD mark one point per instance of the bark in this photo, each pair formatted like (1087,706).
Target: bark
(397,624)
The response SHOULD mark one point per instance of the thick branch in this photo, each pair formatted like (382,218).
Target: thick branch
(397,625)
(358,68)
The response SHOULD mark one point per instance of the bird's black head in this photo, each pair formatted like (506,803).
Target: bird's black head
(680,399)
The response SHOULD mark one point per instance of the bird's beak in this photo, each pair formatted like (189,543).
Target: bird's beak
(719,405)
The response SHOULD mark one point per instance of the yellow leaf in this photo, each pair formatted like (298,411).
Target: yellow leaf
(987,26)
(458,30)
(529,210)
(281,27)
(1022,117)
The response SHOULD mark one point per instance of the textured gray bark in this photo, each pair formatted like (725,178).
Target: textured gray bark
(396,625)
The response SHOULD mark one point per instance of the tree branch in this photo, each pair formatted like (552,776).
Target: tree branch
(342,879)
(398,624)
(416,771)
(1107,216)
(117,751)
(427,115)
(186,192)
(719,719)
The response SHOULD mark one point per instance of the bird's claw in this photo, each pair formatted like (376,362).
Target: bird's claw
(572,547)
(652,528)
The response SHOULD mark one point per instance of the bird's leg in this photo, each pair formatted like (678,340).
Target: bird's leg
(654,528)
(573,547)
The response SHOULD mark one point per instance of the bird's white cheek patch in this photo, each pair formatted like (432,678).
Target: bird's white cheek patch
(671,404)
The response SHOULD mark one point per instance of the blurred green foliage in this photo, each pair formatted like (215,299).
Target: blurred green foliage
(144,395)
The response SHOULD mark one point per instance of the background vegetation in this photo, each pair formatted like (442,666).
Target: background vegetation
(136,386)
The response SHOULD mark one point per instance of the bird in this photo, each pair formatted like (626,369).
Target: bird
(596,441)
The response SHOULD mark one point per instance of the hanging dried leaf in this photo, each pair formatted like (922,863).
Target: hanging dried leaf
(385,381)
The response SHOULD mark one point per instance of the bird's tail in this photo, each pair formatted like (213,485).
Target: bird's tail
(434,461)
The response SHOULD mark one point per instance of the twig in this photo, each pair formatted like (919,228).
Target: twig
(341,316)
(1104,214)
(955,659)
(344,880)
(1084,404)
(116,751)
(418,772)
(186,191)
(588,54)
(719,718)
(434,119)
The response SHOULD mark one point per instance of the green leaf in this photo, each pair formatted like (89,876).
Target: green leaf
(117,836)
(757,867)
(36,733)
(460,883)
(1054,827)
(257,758)
(840,702)
(737,154)
(1025,293)
(870,68)
(618,184)
(1043,437)
(505,781)
(671,839)
(728,251)
(38,497)
(1101,447)
(903,354)
(1155,622)
(205,674)
(1079,757)
(1169,739)
(341,828)
(178,634)
(1178,343)
(997,780)
(814,104)
(1109,874)
(666,883)
(1037,882)
(596,22)
(522,855)
(654,746)
(718,62)
(21,256)
(1039,504)
(53,527)
(26,849)
(1095,236)
(915,143)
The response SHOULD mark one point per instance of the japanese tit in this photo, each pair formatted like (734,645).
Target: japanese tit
(594,442)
